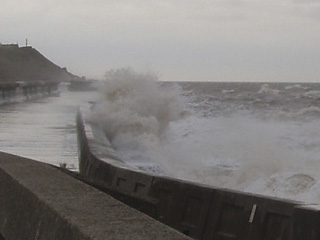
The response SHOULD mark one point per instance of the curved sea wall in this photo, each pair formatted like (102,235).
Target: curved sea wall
(21,91)
(199,211)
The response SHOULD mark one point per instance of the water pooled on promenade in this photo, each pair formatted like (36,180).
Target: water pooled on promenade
(43,129)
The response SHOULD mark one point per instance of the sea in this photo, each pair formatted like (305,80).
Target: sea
(261,138)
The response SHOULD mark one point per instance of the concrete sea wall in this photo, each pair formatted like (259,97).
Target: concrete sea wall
(41,202)
(199,211)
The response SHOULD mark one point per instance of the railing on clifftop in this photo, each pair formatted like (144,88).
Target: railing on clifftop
(20,91)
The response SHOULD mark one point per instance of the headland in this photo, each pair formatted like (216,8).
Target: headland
(28,65)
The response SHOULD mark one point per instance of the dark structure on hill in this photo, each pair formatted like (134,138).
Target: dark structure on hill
(28,65)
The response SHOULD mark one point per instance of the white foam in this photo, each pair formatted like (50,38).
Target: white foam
(312,94)
(147,124)
(238,151)
(266,89)
(135,104)
(227,91)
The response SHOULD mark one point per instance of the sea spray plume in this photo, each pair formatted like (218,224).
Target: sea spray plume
(135,105)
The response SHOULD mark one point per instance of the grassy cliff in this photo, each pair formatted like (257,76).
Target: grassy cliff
(27,64)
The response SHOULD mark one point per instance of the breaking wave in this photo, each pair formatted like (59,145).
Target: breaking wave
(160,128)
(136,110)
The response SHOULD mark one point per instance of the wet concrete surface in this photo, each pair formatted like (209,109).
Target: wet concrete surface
(38,201)
(43,129)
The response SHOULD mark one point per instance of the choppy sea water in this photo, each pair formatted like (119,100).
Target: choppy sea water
(260,138)
(253,137)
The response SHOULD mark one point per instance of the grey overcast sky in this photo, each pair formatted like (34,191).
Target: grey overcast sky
(205,40)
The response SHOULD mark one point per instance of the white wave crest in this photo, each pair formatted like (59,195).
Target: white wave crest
(266,89)
(313,110)
(295,86)
(312,94)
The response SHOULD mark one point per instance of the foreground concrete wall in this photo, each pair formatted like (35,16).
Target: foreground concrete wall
(202,212)
(39,201)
